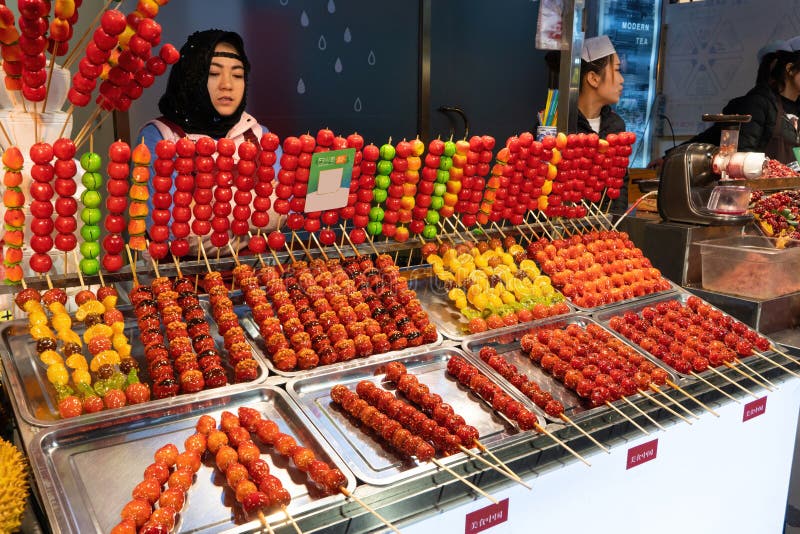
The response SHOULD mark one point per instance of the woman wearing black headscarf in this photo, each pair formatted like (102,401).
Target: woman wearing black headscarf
(206,95)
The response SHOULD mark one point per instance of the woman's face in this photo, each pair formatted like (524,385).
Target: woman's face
(226,81)
(610,87)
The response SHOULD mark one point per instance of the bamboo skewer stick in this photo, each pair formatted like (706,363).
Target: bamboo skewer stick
(133,266)
(368,508)
(49,78)
(203,250)
(177,266)
(776,364)
(673,385)
(752,379)
(654,400)
(756,373)
(569,421)
(346,235)
(291,519)
(90,29)
(88,123)
(70,111)
(491,465)
(5,134)
(790,358)
(484,449)
(631,421)
(234,254)
(706,382)
(264,524)
(625,399)
(737,384)
(658,390)
(544,431)
(463,480)
(94,129)
(372,244)
(78,269)
(319,245)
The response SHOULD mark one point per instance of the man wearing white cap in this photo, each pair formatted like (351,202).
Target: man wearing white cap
(600,88)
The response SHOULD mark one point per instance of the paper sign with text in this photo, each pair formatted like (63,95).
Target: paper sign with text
(329,179)
(754,409)
(642,453)
(486,517)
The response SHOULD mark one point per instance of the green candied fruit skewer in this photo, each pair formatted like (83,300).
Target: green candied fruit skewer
(91,215)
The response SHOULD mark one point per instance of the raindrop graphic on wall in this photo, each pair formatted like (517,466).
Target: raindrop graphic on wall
(357,105)
(371,58)
(322,44)
(301,87)
(304,19)
(338,65)
(284,2)
(331,7)
(347,36)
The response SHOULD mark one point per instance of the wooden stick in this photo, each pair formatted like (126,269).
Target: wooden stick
(177,266)
(133,266)
(234,254)
(263,520)
(89,121)
(368,508)
(202,249)
(673,385)
(100,274)
(484,449)
(291,254)
(90,29)
(541,429)
(49,78)
(706,382)
(625,399)
(319,245)
(757,382)
(5,133)
(302,245)
(290,518)
(372,243)
(776,364)
(773,348)
(737,384)
(756,373)
(277,260)
(569,421)
(338,250)
(491,465)
(630,420)
(463,480)
(70,111)
(94,129)
(654,400)
(78,268)
(346,235)
(655,388)
(498,229)
(49,280)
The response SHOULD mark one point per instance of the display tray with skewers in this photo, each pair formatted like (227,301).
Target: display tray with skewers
(374,454)
(569,367)
(31,362)
(692,337)
(473,286)
(94,475)
(320,313)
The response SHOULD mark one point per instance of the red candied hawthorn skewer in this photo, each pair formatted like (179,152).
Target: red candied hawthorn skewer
(244,182)
(66,206)
(33,26)
(204,179)
(119,154)
(223,192)
(240,354)
(239,458)
(265,176)
(182,196)
(163,167)
(41,192)
(159,360)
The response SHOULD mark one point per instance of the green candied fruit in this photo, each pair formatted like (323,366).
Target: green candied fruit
(92,180)
(91,161)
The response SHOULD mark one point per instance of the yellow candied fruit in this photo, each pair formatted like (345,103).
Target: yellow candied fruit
(56,308)
(125,351)
(119,340)
(31,306)
(37,317)
(49,357)
(434,259)
(456,293)
(57,374)
(97,330)
(110,357)
(118,327)
(508,297)
(61,321)
(461,303)
(77,361)
(70,336)
(110,302)
(40,331)
(89,307)
(81,376)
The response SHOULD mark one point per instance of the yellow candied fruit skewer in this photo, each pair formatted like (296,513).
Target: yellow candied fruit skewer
(57,374)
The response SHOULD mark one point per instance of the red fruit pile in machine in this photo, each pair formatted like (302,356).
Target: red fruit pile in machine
(689,337)
(591,361)
(597,268)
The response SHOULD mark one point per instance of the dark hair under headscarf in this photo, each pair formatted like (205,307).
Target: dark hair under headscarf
(186,101)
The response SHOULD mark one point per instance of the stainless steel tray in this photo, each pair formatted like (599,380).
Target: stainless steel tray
(613,305)
(681,296)
(87,472)
(254,336)
(35,396)
(366,454)
(443,313)
(507,345)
